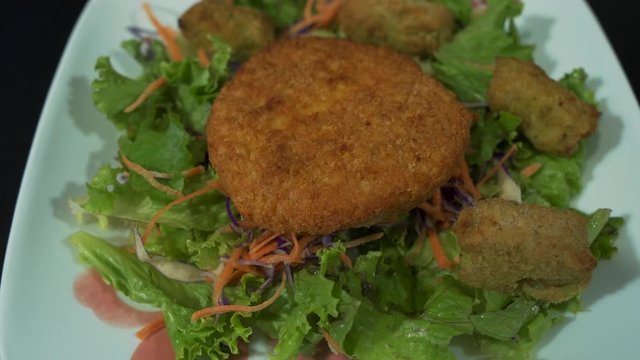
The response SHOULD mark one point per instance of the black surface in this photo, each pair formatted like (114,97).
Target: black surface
(34,34)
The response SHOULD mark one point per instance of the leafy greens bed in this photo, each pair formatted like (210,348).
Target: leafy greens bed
(390,300)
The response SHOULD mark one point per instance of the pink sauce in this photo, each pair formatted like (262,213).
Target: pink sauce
(156,346)
(91,291)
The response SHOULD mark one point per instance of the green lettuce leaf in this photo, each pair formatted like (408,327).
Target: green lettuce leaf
(313,298)
(505,324)
(283,13)
(465,64)
(383,335)
(140,282)
(187,94)
(603,246)
(576,81)
(491,129)
(557,181)
(108,197)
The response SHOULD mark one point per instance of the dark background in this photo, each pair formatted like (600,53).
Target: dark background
(34,34)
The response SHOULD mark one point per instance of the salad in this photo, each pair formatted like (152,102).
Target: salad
(388,290)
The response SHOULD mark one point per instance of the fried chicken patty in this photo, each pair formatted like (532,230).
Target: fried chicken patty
(510,247)
(244,28)
(314,135)
(554,119)
(413,27)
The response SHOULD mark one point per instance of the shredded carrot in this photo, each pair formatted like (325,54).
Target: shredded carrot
(308,7)
(363,240)
(327,12)
(437,199)
(502,160)
(225,274)
(432,211)
(276,259)
(296,250)
(305,241)
(243,269)
(221,309)
(334,346)
(264,242)
(196,170)
(150,328)
(263,251)
(203,58)
(531,169)
(346,260)
(167,34)
(258,239)
(438,251)
(211,185)
(466,180)
(148,176)
(155,85)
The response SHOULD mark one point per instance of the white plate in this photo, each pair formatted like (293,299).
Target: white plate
(39,317)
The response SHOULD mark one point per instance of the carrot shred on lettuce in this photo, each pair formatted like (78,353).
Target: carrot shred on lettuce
(211,185)
(512,150)
(438,252)
(167,34)
(326,13)
(221,309)
(531,169)
(150,328)
(155,85)
(149,176)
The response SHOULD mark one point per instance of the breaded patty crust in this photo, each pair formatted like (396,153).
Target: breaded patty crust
(554,119)
(314,135)
(414,27)
(509,247)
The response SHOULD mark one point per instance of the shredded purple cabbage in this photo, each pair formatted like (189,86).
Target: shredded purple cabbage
(141,33)
(266,283)
(289,274)
(327,240)
(235,226)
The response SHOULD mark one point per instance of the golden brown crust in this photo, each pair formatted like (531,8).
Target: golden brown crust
(414,27)
(554,119)
(511,247)
(245,29)
(315,135)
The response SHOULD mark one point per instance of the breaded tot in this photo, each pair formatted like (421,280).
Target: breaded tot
(414,27)
(510,247)
(554,119)
(245,29)
(315,135)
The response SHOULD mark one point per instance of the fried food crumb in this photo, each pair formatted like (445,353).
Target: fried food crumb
(554,119)
(412,27)
(508,247)
(314,135)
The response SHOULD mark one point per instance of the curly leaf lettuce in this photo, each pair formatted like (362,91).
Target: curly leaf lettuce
(557,182)
(465,65)
(187,94)
(140,282)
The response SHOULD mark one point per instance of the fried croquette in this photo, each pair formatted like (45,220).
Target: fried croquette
(554,119)
(414,27)
(509,247)
(245,29)
(314,135)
